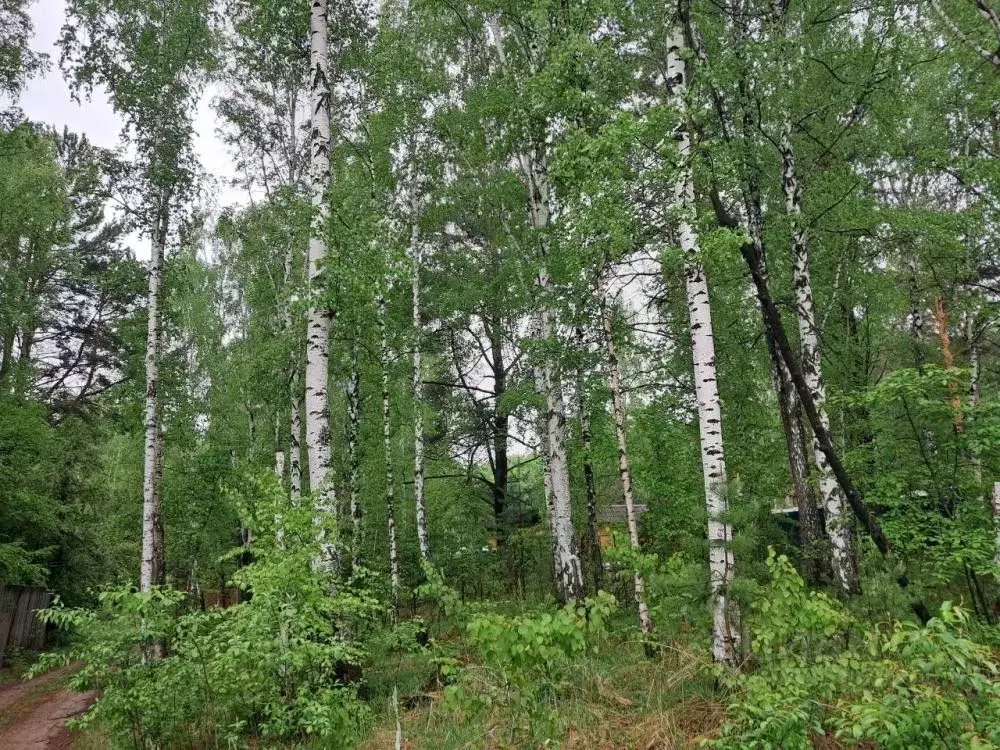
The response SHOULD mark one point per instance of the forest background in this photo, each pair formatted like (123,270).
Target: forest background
(522,364)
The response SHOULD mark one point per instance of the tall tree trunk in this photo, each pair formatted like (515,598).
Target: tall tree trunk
(810,523)
(569,575)
(944,336)
(295,439)
(390,488)
(418,400)
(534,172)
(320,319)
(996,522)
(353,452)
(790,410)
(151,569)
(501,426)
(590,483)
(838,526)
(975,394)
(855,498)
(624,472)
(567,560)
(725,618)
(294,397)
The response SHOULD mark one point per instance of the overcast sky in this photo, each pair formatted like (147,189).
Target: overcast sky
(47,99)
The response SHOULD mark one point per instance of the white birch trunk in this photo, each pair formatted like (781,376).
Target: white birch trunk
(725,615)
(295,440)
(534,173)
(838,529)
(624,471)
(151,567)
(353,454)
(279,472)
(418,401)
(390,489)
(320,319)
(295,400)
(975,392)
(569,573)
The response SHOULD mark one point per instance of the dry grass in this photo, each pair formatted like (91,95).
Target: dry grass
(618,698)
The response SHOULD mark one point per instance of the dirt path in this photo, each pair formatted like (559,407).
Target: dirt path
(33,714)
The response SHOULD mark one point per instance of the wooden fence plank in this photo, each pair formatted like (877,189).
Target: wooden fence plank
(19,624)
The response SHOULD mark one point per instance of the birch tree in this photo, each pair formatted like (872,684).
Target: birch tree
(418,390)
(725,617)
(153,86)
(265,72)
(624,470)
(533,170)
(386,411)
(837,519)
(317,406)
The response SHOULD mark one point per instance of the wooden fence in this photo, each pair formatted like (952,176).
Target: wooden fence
(19,627)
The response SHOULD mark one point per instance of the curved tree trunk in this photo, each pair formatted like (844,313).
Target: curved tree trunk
(624,471)
(725,617)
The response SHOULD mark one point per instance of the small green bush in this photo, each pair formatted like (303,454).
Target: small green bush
(265,668)
(819,672)
(524,666)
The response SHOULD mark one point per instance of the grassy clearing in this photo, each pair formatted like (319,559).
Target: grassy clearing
(617,697)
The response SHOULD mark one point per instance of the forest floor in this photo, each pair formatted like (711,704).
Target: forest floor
(617,697)
(33,713)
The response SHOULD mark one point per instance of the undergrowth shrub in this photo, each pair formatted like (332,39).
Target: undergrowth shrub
(266,668)
(821,672)
(524,665)
(676,589)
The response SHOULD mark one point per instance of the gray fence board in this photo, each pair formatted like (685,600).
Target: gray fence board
(19,626)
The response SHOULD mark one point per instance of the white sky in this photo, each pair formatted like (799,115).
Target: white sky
(47,99)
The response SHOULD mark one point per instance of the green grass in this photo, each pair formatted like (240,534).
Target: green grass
(617,697)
